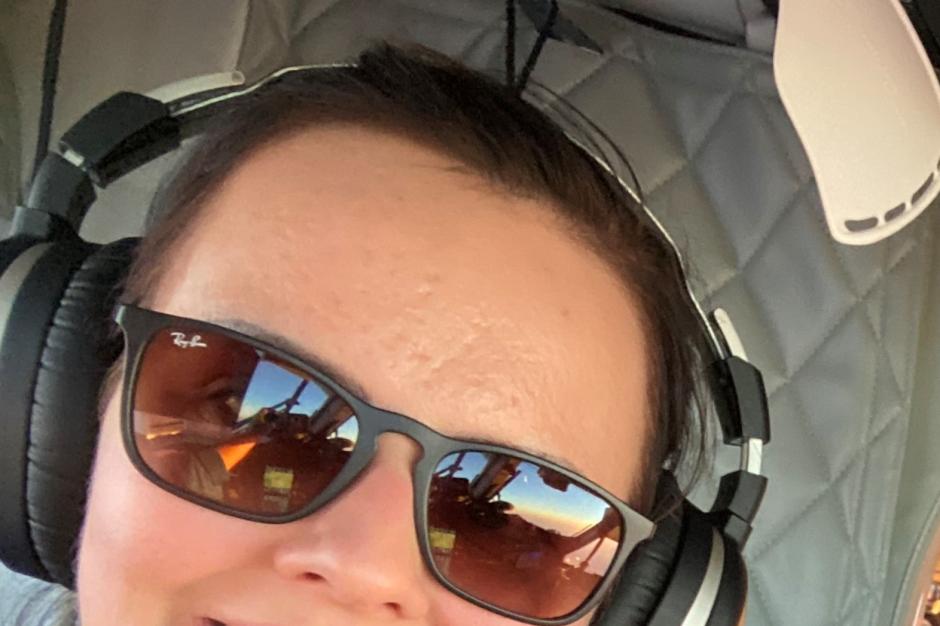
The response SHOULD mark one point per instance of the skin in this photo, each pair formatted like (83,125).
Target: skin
(445,299)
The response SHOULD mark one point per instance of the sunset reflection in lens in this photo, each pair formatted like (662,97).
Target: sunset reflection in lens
(228,423)
(517,535)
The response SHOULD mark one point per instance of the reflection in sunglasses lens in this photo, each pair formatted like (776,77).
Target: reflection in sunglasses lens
(518,535)
(220,420)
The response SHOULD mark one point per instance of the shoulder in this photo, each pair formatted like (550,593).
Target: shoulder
(26,601)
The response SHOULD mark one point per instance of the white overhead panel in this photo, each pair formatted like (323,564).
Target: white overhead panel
(864,99)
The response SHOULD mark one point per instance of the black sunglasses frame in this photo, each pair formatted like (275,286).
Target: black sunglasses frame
(140,325)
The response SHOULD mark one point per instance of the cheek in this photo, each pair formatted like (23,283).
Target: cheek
(141,544)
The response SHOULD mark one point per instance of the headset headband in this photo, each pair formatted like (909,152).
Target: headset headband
(131,129)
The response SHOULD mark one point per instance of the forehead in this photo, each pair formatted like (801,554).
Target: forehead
(462,306)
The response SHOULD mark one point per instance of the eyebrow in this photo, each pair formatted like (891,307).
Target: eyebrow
(345,380)
(331,370)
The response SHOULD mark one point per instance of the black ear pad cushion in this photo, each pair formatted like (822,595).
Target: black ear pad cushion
(81,345)
(648,570)
(76,345)
(31,287)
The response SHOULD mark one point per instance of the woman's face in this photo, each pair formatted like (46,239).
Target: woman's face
(444,299)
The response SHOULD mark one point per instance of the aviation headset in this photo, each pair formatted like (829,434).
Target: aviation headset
(56,295)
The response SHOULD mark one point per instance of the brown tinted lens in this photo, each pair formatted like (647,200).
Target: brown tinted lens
(222,420)
(518,535)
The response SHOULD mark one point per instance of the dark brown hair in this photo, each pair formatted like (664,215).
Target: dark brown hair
(491,132)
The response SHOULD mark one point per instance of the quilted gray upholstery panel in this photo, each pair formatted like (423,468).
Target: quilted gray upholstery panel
(836,330)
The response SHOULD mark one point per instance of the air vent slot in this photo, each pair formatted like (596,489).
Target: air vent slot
(857,226)
(895,212)
(922,189)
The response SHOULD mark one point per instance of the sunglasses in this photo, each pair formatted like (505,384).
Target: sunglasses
(243,428)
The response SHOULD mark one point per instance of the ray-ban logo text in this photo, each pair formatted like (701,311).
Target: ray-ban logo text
(179,339)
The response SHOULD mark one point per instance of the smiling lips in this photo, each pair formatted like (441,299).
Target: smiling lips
(208,621)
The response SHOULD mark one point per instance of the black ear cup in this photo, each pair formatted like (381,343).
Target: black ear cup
(648,570)
(701,576)
(57,345)
(687,573)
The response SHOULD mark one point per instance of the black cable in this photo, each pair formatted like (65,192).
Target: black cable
(50,74)
(510,43)
(544,31)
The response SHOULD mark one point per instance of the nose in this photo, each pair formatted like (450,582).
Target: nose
(361,551)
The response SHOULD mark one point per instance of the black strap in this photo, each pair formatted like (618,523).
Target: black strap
(510,43)
(561,28)
(50,75)
(120,134)
(546,15)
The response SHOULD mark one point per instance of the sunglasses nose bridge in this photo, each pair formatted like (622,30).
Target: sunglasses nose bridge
(390,422)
